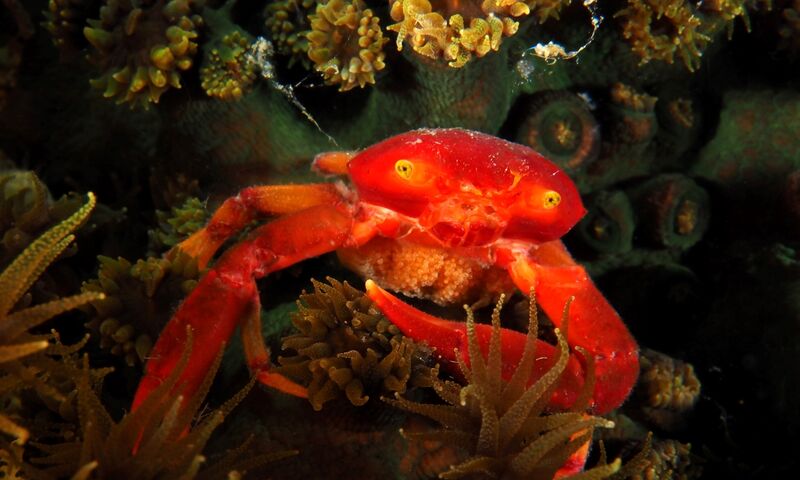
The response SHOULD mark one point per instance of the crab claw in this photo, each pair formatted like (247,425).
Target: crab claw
(449,338)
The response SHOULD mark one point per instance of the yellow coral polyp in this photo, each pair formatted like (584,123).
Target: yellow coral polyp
(287,21)
(726,11)
(142,46)
(346,44)
(227,74)
(64,19)
(469,29)
(660,29)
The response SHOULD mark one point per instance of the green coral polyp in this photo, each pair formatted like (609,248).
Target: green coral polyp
(226,73)
(140,63)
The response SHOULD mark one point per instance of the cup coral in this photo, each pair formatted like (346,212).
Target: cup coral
(141,46)
(561,126)
(346,43)
(633,112)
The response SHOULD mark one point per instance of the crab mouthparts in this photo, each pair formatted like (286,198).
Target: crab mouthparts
(459,223)
(456,235)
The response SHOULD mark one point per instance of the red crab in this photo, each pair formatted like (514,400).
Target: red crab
(443,214)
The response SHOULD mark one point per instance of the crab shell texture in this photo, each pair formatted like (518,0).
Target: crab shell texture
(467,188)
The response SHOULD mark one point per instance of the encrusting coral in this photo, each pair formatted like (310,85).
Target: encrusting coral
(142,46)
(502,423)
(287,22)
(347,348)
(346,43)
(22,356)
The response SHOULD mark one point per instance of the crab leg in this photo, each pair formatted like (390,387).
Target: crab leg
(450,336)
(227,295)
(593,323)
(249,204)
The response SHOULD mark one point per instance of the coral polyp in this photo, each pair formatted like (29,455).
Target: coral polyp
(346,43)
(136,301)
(502,423)
(634,114)
(287,22)
(666,382)
(726,12)
(346,348)
(141,46)
(226,73)
(460,31)
(64,20)
(18,345)
(662,30)
(561,126)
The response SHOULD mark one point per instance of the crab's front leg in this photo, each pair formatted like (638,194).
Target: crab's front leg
(593,323)
(249,204)
(227,294)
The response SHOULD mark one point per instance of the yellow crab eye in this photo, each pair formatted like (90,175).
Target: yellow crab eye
(551,199)
(404,168)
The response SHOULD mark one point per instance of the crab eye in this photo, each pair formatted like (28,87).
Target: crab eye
(404,168)
(551,199)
